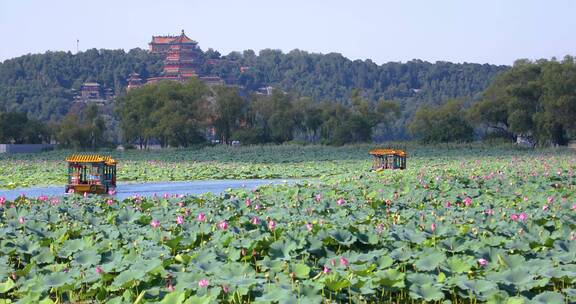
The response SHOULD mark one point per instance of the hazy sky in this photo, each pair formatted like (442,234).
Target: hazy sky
(482,31)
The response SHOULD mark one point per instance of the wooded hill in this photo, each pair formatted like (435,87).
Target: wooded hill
(42,85)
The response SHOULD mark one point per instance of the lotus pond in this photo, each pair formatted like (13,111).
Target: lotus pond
(459,226)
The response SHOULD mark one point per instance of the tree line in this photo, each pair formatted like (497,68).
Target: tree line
(183,114)
(533,100)
(319,99)
(43,85)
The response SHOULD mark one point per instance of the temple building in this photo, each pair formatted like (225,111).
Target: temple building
(182,60)
(182,55)
(93,92)
(134,81)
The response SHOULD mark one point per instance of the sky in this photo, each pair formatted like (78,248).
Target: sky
(479,31)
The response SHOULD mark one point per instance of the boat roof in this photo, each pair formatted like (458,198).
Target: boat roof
(90,158)
(387,151)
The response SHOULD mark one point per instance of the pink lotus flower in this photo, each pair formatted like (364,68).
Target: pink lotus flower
(203,283)
(550,199)
(318,198)
(256,207)
(545,208)
(326,270)
(255,221)
(344,262)
(223,225)
(155,223)
(467,202)
(433,227)
(574,207)
(2,200)
(523,216)
(54,201)
(489,212)
(340,201)
(85,194)
(166,195)
(482,262)
(42,198)
(99,270)
(248,202)
(111,192)
(21,220)
(201,217)
(514,217)
(271,225)
(448,204)
(225,288)
(170,288)
(110,202)
(180,204)
(309,226)
(179,220)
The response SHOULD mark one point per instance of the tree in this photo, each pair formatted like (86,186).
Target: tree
(533,99)
(445,123)
(19,129)
(169,112)
(228,111)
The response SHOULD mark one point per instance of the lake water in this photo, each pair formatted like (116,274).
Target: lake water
(149,189)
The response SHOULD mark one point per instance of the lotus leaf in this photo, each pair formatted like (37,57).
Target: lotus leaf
(430,260)
(427,292)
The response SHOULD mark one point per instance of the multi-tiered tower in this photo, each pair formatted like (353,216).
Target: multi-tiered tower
(182,60)
(182,56)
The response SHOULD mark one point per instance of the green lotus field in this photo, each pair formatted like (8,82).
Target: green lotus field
(463,224)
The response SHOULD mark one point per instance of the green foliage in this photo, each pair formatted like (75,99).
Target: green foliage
(533,99)
(283,117)
(85,130)
(332,77)
(169,112)
(228,111)
(42,85)
(17,128)
(378,246)
(446,123)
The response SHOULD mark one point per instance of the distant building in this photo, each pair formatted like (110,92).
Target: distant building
(134,81)
(182,54)
(182,61)
(93,92)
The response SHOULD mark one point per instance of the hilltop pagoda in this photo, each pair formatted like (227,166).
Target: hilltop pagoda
(134,81)
(182,56)
(182,60)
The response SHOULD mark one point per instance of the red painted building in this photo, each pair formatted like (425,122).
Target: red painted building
(182,60)
(182,55)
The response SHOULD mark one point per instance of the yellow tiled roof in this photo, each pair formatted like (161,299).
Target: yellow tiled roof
(388,152)
(92,158)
